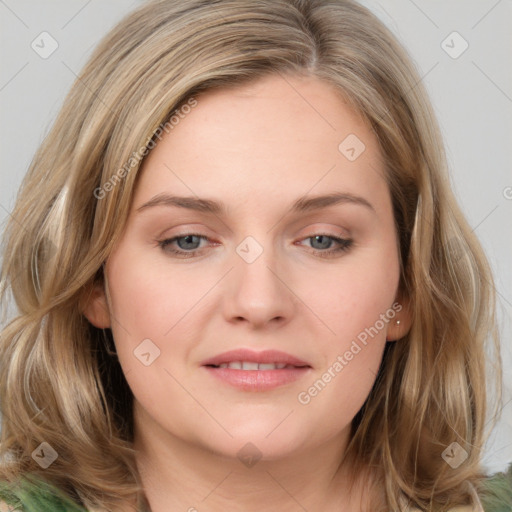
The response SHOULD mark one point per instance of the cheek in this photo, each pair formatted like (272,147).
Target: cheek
(356,306)
(351,297)
(147,299)
(150,311)
(336,395)
(358,309)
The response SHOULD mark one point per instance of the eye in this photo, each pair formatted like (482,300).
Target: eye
(185,246)
(323,244)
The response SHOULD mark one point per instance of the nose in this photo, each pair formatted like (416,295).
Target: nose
(259,293)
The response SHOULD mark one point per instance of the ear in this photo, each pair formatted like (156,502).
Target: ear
(94,305)
(400,325)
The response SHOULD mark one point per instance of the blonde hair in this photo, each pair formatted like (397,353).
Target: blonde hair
(60,382)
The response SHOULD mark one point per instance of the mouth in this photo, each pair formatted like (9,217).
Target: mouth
(251,365)
(248,370)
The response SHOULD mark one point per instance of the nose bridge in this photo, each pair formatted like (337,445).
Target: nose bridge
(256,291)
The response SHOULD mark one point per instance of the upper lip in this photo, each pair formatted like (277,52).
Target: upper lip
(265,356)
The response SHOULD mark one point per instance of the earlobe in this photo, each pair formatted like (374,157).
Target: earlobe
(400,325)
(94,306)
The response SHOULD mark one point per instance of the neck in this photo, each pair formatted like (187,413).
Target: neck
(180,475)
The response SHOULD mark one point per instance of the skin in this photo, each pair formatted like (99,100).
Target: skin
(257,148)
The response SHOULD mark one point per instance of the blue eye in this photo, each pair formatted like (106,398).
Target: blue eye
(324,245)
(189,242)
(188,245)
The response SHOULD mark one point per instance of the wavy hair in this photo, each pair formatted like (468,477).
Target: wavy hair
(60,383)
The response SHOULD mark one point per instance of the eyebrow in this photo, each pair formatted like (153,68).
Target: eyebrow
(301,205)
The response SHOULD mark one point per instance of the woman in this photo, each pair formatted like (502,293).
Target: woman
(243,274)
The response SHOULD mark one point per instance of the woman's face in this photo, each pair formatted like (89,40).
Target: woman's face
(280,250)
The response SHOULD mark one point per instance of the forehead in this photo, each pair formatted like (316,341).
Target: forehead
(275,137)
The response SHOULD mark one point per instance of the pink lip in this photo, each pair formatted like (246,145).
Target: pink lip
(256,380)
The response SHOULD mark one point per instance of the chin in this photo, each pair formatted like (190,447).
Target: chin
(259,441)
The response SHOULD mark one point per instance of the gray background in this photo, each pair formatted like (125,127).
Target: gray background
(471,94)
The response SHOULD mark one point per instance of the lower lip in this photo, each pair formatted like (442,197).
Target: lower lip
(257,380)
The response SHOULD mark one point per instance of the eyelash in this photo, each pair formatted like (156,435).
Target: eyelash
(344,245)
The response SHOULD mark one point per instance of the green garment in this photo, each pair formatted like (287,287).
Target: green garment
(497,496)
(29,497)
(41,497)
